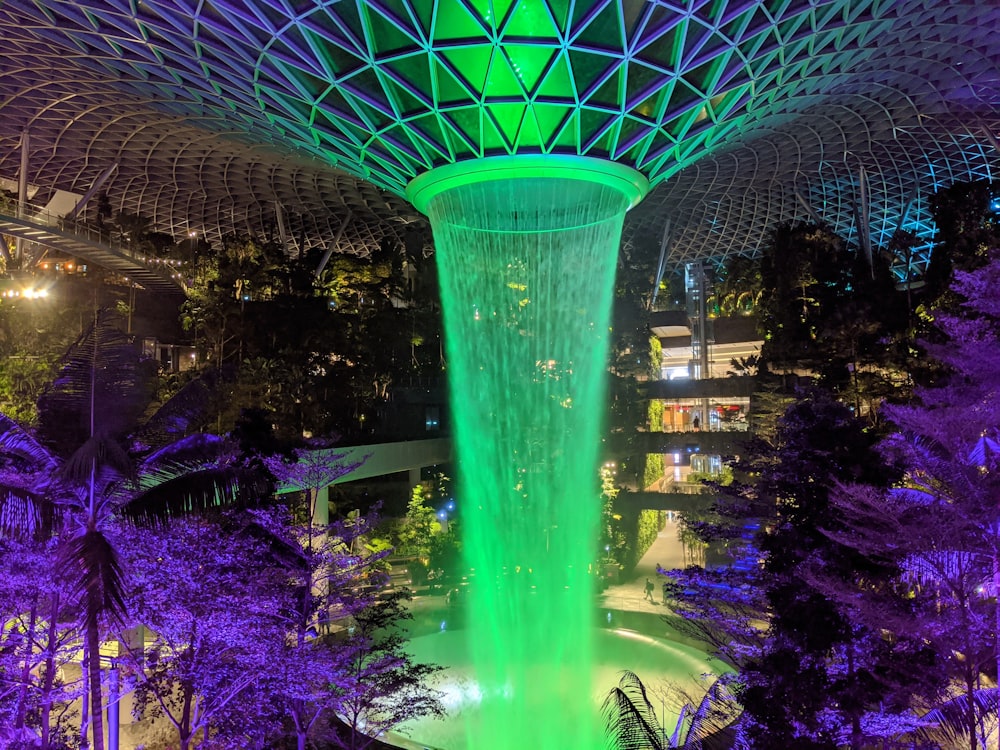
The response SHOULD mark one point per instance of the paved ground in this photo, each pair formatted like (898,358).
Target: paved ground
(630,594)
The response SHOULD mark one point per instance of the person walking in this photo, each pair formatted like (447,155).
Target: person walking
(649,591)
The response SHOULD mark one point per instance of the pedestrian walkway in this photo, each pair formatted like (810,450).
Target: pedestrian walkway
(629,595)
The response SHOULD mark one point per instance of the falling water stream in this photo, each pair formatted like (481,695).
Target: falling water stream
(527,269)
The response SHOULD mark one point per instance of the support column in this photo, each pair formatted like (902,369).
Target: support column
(320,510)
(98,184)
(22,190)
(333,245)
(114,697)
(661,264)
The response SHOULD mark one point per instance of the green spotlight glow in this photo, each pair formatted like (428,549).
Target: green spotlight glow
(526,249)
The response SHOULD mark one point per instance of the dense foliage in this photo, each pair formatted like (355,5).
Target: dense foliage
(318,351)
(859,606)
(112,533)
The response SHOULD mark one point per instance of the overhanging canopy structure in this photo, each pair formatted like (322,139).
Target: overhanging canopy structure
(740,113)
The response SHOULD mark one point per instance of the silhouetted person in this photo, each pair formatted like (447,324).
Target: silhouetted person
(696,423)
(649,591)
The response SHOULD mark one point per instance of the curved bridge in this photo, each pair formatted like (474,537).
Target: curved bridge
(80,242)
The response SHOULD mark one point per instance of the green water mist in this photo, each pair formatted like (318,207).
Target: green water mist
(527,270)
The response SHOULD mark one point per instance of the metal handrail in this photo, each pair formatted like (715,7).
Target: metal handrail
(37,215)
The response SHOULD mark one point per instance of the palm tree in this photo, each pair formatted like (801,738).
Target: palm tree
(708,722)
(79,473)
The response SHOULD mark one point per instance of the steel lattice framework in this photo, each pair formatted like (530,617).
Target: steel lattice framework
(740,113)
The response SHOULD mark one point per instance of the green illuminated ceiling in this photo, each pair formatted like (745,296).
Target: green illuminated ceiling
(740,113)
(400,87)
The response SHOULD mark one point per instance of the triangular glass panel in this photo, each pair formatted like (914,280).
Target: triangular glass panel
(335,56)
(458,22)
(385,35)
(335,125)
(293,46)
(382,170)
(730,103)
(449,88)
(472,63)
(634,14)
(399,152)
(604,31)
(634,155)
(661,158)
(604,144)
(335,103)
(404,101)
(311,87)
(550,119)
(592,123)
(530,19)
(560,13)
(367,84)
(416,147)
(641,79)
(582,12)
(501,82)
(528,62)
(414,72)
(665,51)
(720,131)
(694,142)
(529,136)
(650,107)
(348,18)
(588,68)
(736,25)
(430,132)
(371,116)
(702,78)
(608,94)
(568,137)
(629,133)
(466,123)
(508,118)
(734,73)
(493,140)
(423,11)
(400,13)
(661,30)
(557,83)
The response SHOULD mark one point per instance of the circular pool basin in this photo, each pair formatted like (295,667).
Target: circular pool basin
(657,662)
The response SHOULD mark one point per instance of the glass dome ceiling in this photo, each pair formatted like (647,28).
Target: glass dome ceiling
(740,113)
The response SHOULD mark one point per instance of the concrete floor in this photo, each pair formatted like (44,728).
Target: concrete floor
(629,596)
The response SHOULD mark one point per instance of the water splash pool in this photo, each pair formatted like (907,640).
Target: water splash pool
(656,661)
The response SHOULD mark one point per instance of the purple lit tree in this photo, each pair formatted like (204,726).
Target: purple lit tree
(340,672)
(74,478)
(381,686)
(810,670)
(39,637)
(333,579)
(210,596)
(942,524)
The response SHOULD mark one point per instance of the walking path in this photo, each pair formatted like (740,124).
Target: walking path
(629,595)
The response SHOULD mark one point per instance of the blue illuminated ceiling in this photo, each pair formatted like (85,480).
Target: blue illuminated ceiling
(741,113)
